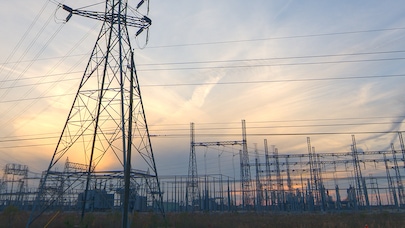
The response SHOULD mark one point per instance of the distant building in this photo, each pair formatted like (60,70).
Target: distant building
(96,200)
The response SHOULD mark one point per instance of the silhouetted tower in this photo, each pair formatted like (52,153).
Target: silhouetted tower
(391,188)
(259,188)
(289,181)
(401,143)
(268,172)
(398,177)
(357,174)
(107,121)
(338,201)
(14,184)
(193,191)
(193,166)
(375,191)
(245,170)
(279,180)
(321,188)
(311,167)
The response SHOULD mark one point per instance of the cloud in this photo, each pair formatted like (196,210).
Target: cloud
(202,91)
(188,22)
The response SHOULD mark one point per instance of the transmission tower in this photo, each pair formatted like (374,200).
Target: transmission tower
(312,176)
(391,187)
(193,191)
(245,170)
(192,179)
(401,142)
(398,176)
(268,172)
(259,186)
(107,121)
(358,176)
(14,184)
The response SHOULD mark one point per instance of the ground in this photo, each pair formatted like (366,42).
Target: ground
(13,218)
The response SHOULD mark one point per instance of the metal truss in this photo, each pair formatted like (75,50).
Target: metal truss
(107,121)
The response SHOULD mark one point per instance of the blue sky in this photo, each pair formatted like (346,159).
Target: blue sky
(286,67)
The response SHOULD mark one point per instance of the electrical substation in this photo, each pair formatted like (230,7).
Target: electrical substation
(104,161)
(274,182)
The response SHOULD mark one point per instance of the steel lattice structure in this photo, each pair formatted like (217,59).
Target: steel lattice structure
(193,191)
(192,180)
(107,121)
(13,184)
(245,169)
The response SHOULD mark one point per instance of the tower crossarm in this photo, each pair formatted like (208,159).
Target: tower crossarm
(222,143)
(339,154)
(325,162)
(142,22)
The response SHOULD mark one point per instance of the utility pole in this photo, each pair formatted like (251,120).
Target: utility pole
(107,121)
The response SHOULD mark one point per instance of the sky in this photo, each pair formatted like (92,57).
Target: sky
(290,69)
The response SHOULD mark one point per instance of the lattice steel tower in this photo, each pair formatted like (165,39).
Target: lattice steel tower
(107,121)
(193,191)
(245,171)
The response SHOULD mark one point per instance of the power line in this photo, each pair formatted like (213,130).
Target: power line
(207,83)
(24,146)
(48,41)
(277,58)
(288,120)
(36,98)
(225,61)
(42,59)
(39,83)
(278,38)
(88,6)
(276,126)
(45,76)
(218,135)
(27,107)
(231,60)
(186,135)
(278,134)
(331,119)
(273,64)
(277,81)
(18,45)
(224,83)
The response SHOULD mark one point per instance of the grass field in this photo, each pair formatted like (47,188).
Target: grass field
(15,218)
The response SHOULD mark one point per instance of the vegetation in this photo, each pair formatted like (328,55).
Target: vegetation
(14,218)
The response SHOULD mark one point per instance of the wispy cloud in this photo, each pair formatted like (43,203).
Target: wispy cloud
(190,22)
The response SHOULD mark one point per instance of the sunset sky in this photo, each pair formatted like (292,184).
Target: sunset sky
(291,69)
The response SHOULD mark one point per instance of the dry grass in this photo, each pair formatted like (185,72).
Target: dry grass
(13,218)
